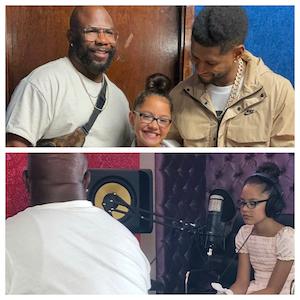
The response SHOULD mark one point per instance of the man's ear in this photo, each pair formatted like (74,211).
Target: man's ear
(70,37)
(86,179)
(26,180)
(131,118)
(238,51)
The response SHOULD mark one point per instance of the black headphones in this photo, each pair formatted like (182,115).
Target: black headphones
(275,204)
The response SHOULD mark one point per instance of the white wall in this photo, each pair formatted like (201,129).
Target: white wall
(147,161)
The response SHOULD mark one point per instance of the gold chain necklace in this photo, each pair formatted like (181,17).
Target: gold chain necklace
(236,85)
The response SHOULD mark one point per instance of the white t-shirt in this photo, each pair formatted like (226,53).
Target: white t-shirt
(72,248)
(55,99)
(219,96)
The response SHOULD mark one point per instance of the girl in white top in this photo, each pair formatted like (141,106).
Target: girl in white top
(262,242)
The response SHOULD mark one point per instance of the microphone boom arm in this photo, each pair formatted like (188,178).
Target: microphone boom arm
(112,201)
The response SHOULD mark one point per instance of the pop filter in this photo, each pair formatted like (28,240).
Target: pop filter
(220,211)
(228,207)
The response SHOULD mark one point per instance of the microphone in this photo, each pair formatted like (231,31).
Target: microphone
(220,210)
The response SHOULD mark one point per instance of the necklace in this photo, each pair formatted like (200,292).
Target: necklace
(236,85)
(93,99)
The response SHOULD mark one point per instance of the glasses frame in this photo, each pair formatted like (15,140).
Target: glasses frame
(242,203)
(157,119)
(113,36)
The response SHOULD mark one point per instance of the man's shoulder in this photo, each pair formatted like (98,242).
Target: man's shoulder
(111,223)
(53,71)
(271,78)
(115,90)
(51,76)
(274,83)
(52,66)
(275,80)
(186,84)
(267,77)
(20,221)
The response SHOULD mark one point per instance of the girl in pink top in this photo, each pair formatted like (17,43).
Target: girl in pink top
(262,242)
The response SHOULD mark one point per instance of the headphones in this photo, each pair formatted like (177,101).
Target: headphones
(275,204)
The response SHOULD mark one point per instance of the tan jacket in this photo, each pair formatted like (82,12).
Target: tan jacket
(262,116)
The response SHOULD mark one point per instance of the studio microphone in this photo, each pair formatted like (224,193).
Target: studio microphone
(220,210)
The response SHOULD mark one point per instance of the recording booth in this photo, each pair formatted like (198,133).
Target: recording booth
(195,245)
(185,195)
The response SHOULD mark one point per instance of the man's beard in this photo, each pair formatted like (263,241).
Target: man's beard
(212,80)
(205,81)
(215,78)
(91,65)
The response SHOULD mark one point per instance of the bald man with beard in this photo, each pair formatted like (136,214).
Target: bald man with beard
(56,100)
(62,244)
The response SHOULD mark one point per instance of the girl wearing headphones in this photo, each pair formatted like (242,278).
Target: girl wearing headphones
(262,242)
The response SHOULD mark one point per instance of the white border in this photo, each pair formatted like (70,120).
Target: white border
(148,3)
(3,150)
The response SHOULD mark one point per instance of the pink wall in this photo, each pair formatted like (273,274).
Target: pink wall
(16,195)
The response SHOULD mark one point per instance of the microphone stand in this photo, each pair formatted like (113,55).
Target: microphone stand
(112,201)
(182,226)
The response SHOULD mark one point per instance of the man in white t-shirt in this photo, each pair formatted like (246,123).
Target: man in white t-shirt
(59,97)
(63,244)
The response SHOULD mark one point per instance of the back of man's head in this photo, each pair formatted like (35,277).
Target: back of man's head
(223,26)
(56,177)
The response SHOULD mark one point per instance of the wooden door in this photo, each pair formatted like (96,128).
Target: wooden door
(151,40)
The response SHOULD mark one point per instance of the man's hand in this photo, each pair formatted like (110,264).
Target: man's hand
(13,140)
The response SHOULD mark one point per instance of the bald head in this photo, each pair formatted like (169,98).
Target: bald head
(57,177)
(82,15)
(57,167)
(91,53)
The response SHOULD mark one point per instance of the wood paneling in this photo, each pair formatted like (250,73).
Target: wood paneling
(34,36)
(188,25)
(149,42)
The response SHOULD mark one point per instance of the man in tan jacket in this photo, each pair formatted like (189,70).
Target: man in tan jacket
(233,99)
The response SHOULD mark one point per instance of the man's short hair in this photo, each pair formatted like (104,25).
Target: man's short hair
(224,26)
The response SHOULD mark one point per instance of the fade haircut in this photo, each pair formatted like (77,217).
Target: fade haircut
(224,26)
